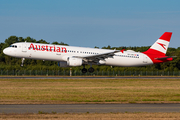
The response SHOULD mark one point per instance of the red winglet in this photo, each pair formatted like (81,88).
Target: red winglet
(122,50)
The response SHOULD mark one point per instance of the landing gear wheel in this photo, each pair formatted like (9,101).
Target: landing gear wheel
(91,70)
(84,70)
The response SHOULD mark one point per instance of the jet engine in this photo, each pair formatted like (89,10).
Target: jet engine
(71,61)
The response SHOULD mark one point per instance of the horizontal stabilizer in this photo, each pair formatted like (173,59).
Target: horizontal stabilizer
(166,57)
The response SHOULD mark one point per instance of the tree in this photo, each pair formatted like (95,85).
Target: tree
(11,40)
(21,39)
(29,39)
(42,41)
(61,43)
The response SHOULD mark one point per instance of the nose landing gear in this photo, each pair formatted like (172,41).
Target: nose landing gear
(22,62)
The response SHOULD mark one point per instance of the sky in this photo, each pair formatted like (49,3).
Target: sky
(90,23)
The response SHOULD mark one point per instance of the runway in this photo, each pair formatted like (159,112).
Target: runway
(90,108)
(89,77)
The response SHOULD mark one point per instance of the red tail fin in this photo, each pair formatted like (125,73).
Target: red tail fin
(161,45)
(158,50)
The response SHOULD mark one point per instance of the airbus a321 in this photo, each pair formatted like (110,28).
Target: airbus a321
(67,56)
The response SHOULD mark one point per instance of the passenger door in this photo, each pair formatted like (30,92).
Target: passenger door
(24,47)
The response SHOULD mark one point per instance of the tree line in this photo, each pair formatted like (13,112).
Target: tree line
(11,63)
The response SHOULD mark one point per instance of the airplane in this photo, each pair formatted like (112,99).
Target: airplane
(68,56)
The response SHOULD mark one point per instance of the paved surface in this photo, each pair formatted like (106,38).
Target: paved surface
(32,77)
(90,108)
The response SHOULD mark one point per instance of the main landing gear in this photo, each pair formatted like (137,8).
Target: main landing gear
(91,70)
(84,70)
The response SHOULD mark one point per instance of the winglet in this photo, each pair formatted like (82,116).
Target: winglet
(122,50)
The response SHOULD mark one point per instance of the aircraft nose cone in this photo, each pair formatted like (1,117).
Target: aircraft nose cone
(5,51)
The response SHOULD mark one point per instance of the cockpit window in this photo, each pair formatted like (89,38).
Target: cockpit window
(14,46)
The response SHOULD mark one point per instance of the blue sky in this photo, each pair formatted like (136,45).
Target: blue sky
(90,23)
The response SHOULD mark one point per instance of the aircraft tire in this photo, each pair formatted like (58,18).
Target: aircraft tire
(84,70)
(91,70)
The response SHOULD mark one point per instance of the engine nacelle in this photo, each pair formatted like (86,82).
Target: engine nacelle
(63,64)
(102,62)
(71,61)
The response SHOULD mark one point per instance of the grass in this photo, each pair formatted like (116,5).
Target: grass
(59,91)
(93,116)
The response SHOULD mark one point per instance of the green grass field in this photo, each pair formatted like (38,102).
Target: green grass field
(59,91)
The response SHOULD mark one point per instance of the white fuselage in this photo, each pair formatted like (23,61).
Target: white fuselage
(61,53)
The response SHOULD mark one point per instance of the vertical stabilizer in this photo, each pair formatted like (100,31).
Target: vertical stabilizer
(161,45)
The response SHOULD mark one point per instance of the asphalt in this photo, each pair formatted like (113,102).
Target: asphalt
(89,108)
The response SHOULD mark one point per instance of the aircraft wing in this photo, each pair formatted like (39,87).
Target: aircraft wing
(95,58)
